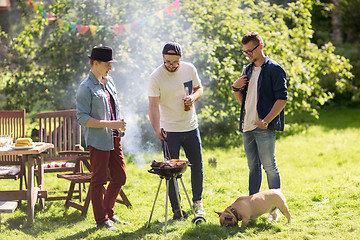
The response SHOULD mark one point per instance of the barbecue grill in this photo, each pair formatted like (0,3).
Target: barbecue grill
(171,169)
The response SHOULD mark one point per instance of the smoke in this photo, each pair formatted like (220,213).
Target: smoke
(133,143)
(138,54)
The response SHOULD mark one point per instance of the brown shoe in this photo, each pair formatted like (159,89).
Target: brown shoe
(177,214)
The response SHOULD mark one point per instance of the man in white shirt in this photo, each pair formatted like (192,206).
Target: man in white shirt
(173,89)
(262,94)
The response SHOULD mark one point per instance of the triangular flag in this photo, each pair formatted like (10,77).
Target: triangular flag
(176,4)
(73,27)
(31,4)
(84,29)
(61,24)
(150,20)
(92,29)
(98,28)
(127,27)
(50,18)
(78,27)
(114,28)
(160,14)
(44,13)
(142,22)
(39,8)
(168,9)
(35,7)
(135,25)
(120,29)
(67,26)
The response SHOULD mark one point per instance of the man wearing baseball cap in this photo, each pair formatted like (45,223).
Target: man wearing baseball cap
(173,89)
(98,110)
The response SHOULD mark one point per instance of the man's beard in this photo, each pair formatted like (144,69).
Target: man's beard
(171,70)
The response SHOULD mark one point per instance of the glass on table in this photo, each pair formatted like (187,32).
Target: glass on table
(6,140)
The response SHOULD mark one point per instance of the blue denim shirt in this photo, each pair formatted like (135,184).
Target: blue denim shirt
(271,87)
(91,101)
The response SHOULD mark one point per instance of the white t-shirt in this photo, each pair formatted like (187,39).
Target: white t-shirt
(251,114)
(170,87)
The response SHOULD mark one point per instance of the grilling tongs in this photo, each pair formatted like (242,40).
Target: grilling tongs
(166,147)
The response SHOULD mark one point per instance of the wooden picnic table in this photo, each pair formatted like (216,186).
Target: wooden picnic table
(32,155)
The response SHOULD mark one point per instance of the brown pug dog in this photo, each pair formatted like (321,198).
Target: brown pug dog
(251,207)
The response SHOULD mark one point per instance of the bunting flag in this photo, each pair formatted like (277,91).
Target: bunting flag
(31,4)
(61,24)
(92,30)
(176,4)
(50,18)
(127,27)
(78,28)
(73,27)
(168,9)
(160,15)
(84,29)
(118,29)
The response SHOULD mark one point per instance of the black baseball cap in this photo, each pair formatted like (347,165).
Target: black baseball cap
(103,54)
(172,46)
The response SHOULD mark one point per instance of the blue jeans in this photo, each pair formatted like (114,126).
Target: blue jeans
(259,147)
(191,143)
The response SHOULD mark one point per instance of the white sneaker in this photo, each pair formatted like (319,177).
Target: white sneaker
(199,209)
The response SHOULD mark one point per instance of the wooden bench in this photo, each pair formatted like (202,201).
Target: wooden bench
(7,207)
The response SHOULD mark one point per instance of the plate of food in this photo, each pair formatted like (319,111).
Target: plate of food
(23,147)
(23,143)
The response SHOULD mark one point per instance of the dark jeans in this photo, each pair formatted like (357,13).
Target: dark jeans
(191,143)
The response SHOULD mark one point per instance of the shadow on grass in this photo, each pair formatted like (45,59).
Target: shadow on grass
(80,234)
(338,117)
(215,231)
(156,228)
(42,219)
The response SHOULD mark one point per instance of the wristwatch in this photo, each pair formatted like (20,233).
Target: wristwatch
(265,123)
(235,89)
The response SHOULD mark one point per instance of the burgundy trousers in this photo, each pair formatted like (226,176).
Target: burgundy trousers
(101,163)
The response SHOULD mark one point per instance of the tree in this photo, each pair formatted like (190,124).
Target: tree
(51,61)
(287,34)
(338,21)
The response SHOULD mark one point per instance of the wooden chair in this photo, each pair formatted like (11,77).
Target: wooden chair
(79,177)
(61,129)
(13,123)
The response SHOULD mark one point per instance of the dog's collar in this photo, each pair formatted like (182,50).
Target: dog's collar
(232,210)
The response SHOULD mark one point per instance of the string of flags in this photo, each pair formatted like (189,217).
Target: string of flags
(118,29)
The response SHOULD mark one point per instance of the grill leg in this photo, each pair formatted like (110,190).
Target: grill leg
(166,205)
(177,195)
(152,210)
(187,196)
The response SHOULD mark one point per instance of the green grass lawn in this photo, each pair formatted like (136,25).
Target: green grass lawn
(320,171)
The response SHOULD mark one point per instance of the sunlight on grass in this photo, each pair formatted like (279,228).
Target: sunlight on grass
(319,168)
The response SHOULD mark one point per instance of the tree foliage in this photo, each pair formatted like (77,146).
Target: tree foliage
(347,13)
(287,35)
(51,61)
